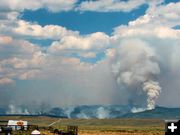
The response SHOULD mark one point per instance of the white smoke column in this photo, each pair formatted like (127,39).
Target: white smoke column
(136,66)
(102,113)
(68,111)
(153,89)
(12,109)
(16,110)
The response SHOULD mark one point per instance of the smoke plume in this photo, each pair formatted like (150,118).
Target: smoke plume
(136,68)
(12,109)
(152,89)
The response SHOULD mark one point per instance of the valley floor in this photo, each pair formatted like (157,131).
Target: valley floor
(109,133)
(96,126)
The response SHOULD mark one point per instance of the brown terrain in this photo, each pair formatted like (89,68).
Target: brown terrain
(97,126)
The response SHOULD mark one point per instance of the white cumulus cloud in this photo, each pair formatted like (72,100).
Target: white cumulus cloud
(37,31)
(114,5)
(52,5)
(94,41)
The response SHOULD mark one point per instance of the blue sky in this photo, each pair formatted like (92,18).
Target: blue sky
(168,1)
(176,27)
(84,22)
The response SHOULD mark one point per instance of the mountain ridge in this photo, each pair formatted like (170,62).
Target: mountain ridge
(103,112)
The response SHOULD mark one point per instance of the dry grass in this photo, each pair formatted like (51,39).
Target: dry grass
(107,133)
(99,127)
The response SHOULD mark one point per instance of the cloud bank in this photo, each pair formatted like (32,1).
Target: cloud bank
(114,5)
(139,63)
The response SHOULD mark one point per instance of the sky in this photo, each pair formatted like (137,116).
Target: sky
(89,52)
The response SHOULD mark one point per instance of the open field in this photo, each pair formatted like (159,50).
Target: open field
(99,127)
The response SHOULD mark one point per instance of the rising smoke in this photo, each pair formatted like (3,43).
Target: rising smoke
(152,89)
(17,110)
(136,68)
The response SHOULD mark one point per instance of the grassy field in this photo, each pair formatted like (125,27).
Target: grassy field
(99,127)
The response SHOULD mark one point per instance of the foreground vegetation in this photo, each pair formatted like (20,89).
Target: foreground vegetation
(98,127)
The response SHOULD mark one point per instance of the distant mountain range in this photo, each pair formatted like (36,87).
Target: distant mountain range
(101,112)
